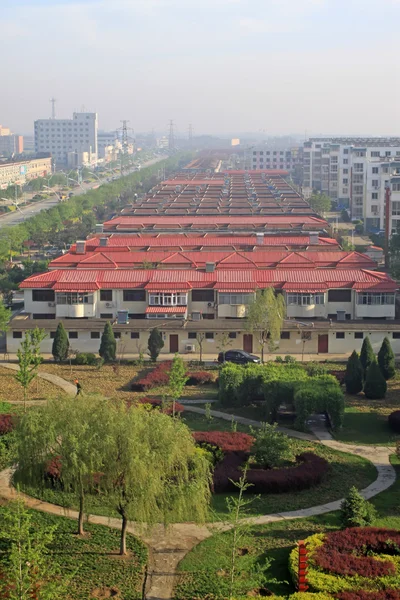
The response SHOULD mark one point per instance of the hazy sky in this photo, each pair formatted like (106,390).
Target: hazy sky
(282,66)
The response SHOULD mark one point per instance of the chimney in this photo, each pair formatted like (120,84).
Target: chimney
(81,247)
(260,239)
(210,267)
(103,241)
(99,228)
(314,238)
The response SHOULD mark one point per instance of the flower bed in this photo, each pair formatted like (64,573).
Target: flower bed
(394,421)
(7,423)
(354,564)
(157,377)
(225,440)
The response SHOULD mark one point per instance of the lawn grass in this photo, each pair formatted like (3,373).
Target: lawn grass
(10,389)
(205,568)
(93,559)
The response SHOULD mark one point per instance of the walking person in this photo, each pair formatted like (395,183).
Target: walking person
(78,387)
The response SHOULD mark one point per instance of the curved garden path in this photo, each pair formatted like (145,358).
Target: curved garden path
(168,546)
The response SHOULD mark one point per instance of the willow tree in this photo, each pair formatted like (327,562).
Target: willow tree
(153,472)
(69,431)
(265,317)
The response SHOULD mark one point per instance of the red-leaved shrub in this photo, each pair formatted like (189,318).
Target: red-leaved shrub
(340,375)
(53,468)
(394,421)
(360,595)
(201,378)
(155,378)
(225,440)
(339,551)
(156,403)
(308,472)
(7,423)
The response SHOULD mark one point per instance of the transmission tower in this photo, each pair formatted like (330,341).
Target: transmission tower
(171,136)
(125,140)
(53,107)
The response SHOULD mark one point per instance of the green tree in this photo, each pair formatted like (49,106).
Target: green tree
(60,344)
(271,447)
(367,355)
(375,384)
(29,359)
(355,511)
(155,344)
(177,380)
(224,341)
(265,317)
(200,339)
(354,374)
(386,360)
(5,316)
(108,345)
(320,203)
(153,471)
(29,571)
(73,431)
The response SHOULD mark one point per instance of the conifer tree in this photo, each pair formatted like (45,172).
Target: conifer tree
(108,345)
(60,344)
(354,374)
(367,355)
(375,384)
(386,359)
(355,511)
(155,344)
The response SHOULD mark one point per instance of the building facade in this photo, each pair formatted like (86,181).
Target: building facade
(20,172)
(290,160)
(63,137)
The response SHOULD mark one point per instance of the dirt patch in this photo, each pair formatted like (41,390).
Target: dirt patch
(105,592)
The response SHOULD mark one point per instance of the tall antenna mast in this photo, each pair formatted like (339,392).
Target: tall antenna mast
(171,136)
(53,107)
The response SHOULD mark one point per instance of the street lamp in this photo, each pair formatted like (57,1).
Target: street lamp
(15,203)
(78,182)
(46,187)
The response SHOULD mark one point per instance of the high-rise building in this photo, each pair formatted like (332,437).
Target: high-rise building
(70,141)
(10,143)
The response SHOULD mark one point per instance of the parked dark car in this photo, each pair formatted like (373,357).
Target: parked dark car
(239,357)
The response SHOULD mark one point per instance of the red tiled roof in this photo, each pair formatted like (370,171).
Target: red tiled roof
(195,221)
(167,309)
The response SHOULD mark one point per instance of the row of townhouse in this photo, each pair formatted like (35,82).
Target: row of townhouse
(20,172)
(356,173)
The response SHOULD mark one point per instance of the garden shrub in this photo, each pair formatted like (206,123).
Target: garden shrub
(355,511)
(289,359)
(318,395)
(394,421)
(349,561)
(309,471)
(201,378)
(386,359)
(367,355)
(375,384)
(85,358)
(339,375)
(155,378)
(230,378)
(165,407)
(354,374)
(314,368)
(271,447)
(7,423)
(227,441)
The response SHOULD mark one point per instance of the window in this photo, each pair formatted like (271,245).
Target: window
(209,335)
(340,335)
(375,170)
(43,316)
(106,295)
(339,296)
(305,299)
(95,335)
(168,299)
(73,335)
(345,181)
(209,317)
(346,151)
(375,182)
(345,161)
(285,335)
(396,187)
(192,335)
(52,335)
(135,335)
(396,335)
(358,335)
(42,295)
(375,298)
(117,335)
(225,298)
(203,296)
(17,335)
(319,298)
(375,154)
(345,171)
(106,315)
(232,335)
(396,209)
(375,209)
(134,295)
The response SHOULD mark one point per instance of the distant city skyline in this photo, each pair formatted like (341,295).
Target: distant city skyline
(226,66)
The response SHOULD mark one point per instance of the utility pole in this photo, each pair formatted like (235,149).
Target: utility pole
(53,107)
(171,136)
(125,144)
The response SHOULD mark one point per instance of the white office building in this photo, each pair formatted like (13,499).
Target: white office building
(65,137)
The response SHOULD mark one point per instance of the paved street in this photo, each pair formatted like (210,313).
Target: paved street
(30,210)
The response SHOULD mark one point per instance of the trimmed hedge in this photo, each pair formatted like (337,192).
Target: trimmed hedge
(309,472)
(394,421)
(347,561)
(226,441)
(7,423)
(85,358)
(201,378)
(318,395)
(155,378)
